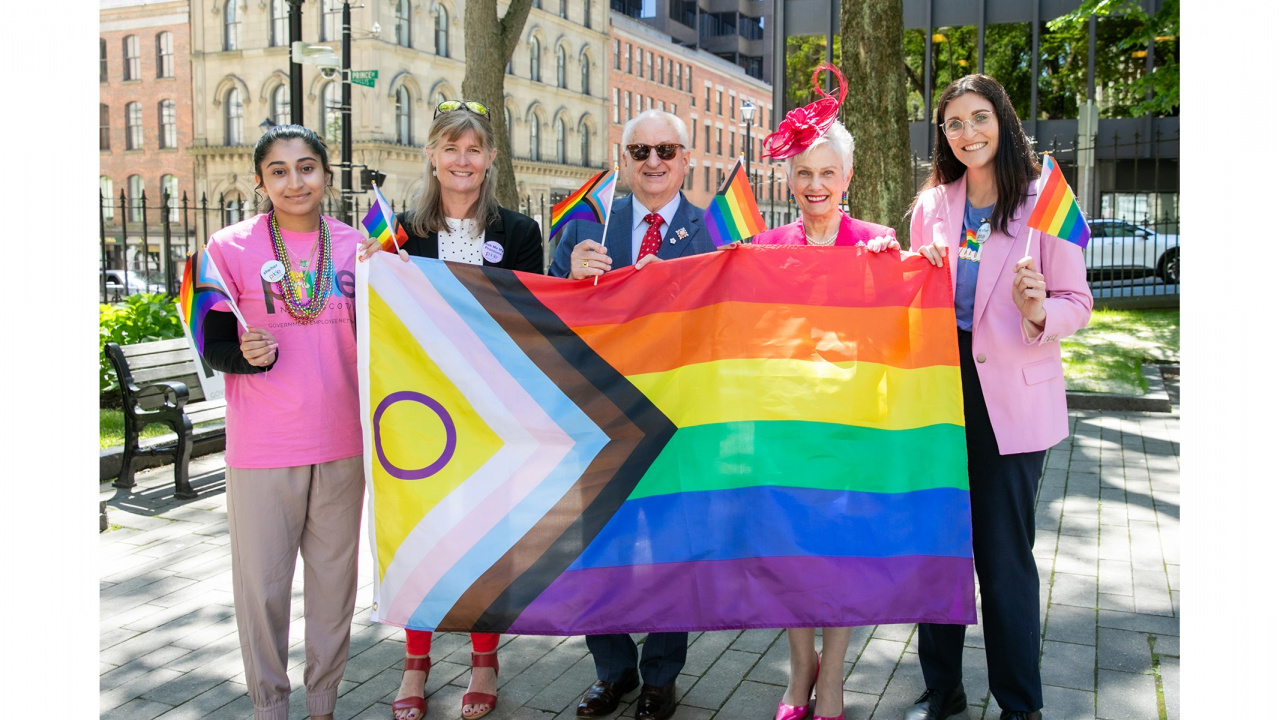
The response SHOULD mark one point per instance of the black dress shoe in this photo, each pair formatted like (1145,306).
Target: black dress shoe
(1019,715)
(656,703)
(936,705)
(602,697)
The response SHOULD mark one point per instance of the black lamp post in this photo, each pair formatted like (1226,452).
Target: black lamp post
(748,114)
(295,67)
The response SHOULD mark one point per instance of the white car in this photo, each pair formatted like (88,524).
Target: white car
(1117,246)
(116,279)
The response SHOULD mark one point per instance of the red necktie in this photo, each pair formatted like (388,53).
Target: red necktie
(652,238)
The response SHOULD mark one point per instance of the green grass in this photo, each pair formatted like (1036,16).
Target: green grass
(111,428)
(1107,356)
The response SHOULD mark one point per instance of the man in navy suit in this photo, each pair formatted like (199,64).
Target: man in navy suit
(654,223)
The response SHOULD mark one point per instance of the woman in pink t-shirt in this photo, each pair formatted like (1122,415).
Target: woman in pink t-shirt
(295,480)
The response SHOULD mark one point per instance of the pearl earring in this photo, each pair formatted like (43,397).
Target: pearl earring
(433,171)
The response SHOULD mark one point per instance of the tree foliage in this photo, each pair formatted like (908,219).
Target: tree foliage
(804,53)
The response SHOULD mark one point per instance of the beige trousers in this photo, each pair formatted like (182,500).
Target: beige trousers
(272,515)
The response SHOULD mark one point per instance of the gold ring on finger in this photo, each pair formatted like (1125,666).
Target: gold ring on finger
(585,263)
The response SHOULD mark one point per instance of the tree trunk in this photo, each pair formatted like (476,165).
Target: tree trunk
(876,113)
(490,42)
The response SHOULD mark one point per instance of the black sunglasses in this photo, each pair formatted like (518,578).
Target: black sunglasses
(640,153)
(451,105)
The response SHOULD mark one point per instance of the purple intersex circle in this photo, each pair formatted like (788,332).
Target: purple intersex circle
(450,435)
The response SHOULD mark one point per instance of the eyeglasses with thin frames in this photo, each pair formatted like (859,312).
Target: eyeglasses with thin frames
(640,153)
(954,127)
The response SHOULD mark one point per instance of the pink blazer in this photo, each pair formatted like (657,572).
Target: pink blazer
(1021,379)
(852,232)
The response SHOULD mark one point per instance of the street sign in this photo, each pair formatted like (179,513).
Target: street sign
(364,77)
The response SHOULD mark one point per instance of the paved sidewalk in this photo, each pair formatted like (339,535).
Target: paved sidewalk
(1107,544)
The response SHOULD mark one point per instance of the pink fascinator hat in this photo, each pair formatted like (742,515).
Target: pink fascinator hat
(804,125)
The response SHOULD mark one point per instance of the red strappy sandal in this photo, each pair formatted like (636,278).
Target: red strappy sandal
(415,703)
(478,698)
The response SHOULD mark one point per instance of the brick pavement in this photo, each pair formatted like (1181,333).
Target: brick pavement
(1107,544)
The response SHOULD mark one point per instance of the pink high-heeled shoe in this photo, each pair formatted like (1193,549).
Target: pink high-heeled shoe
(798,712)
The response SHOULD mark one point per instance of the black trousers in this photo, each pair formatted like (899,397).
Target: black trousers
(1002,492)
(660,662)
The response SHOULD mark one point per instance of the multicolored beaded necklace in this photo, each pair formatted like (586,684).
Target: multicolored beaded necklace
(303,311)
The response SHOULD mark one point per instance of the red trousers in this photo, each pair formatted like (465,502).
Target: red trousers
(418,642)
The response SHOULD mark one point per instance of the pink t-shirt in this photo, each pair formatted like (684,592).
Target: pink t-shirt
(305,410)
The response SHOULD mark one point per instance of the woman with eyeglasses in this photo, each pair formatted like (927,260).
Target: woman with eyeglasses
(456,217)
(1012,307)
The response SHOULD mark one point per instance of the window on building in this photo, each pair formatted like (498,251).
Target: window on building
(107,190)
(168,124)
(671,81)
(706,178)
(169,186)
(133,126)
(732,102)
(648,58)
(331,111)
(164,55)
(617,54)
(629,69)
(132,61)
(640,61)
(584,144)
(560,67)
(563,11)
(102,60)
(733,141)
(104,127)
(535,149)
(720,103)
(233,209)
(281,108)
(560,140)
(708,97)
(442,32)
(586,14)
(279,23)
(706,137)
(403,24)
(585,63)
(680,77)
(535,60)
(506,119)
(719,141)
(693,136)
(136,192)
(537,4)
(404,116)
(330,20)
(626,101)
(617,107)
(617,154)
(233,117)
(231,26)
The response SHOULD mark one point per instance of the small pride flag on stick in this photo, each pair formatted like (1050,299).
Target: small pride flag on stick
(382,224)
(733,214)
(591,202)
(202,288)
(1056,212)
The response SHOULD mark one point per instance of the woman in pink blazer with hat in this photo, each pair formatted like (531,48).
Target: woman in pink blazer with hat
(1012,308)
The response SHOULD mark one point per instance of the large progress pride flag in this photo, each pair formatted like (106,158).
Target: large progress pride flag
(765,437)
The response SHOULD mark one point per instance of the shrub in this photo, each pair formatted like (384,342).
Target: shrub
(138,319)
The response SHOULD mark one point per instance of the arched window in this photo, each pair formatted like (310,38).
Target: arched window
(402,24)
(584,144)
(506,118)
(330,20)
(560,140)
(586,14)
(132,62)
(169,184)
(440,97)
(535,60)
(102,59)
(231,25)
(164,54)
(233,210)
(233,117)
(281,107)
(108,198)
(404,117)
(168,124)
(135,198)
(279,24)
(535,152)
(585,62)
(104,127)
(133,126)
(331,111)
(560,63)
(442,31)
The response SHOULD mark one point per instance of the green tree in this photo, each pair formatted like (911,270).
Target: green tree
(490,41)
(804,53)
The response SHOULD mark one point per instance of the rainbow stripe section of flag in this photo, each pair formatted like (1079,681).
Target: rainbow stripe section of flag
(202,288)
(731,440)
(590,202)
(382,225)
(1056,212)
(733,214)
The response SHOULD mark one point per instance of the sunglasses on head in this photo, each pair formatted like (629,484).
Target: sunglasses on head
(471,105)
(640,153)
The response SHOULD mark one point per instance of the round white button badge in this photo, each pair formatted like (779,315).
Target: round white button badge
(492,251)
(272,271)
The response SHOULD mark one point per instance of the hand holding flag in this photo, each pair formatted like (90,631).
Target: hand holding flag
(382,224)
(1056,212)
(202,288)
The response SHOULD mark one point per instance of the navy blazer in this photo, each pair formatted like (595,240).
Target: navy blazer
(518,234)
(688,217)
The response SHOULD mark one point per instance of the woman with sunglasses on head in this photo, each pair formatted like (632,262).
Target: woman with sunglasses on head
(456,217)
(295,476)
(1012,308)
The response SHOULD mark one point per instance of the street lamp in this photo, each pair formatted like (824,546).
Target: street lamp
(748,114)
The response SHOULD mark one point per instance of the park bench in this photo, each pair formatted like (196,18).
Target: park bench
(159,384)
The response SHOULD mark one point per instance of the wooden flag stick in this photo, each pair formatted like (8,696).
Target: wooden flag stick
(608,215)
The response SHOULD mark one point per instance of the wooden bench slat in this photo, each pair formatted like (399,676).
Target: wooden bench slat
(146,376)
(151,348)
(176,358)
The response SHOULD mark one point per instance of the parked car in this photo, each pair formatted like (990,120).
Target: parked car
(120,284)
(1120,247)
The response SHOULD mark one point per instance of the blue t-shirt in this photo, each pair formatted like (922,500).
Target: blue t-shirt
(973,237)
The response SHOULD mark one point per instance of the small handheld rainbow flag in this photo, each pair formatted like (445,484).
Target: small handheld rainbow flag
(733,214)
(591,202)
(202,288)
(1056,212)
(382,224)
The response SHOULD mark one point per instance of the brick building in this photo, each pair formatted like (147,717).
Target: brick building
(144,123)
